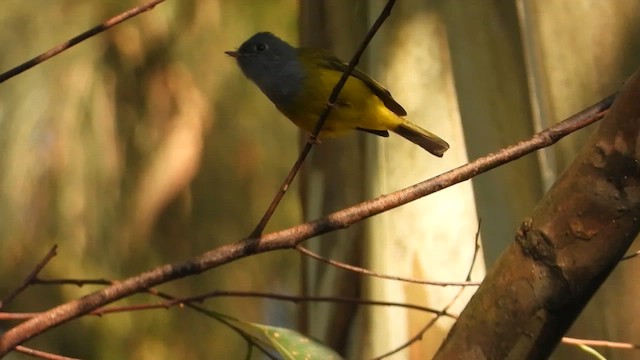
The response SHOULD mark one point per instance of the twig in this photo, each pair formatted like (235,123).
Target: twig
(600,343)
(77,39)
(476,250)
(298,299)
(420,334)
(190,304)
(216,316)
(29,279)
(7,316)
(631,256)
(384,14)
(172,301)
(363,271)
(290,238)
(76,282)
(154,292)
(42,354)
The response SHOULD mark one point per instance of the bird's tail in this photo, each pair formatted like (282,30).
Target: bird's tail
(421,137)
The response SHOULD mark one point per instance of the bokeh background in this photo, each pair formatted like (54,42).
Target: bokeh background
(146,145)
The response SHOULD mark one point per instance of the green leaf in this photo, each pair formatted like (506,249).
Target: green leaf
(294,346)
(592,351)
(289,343)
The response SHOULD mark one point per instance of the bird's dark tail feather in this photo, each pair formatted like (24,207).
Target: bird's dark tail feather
(421,137)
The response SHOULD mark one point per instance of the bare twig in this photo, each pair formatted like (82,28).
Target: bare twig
(273,296)
(476,250)
(218,317)
(290,238)
(30,278)
(363,271)
(384,14)
(172,301)
(630,256)
(76,282)
(77,39)
(7,316)
(600,343)
(418,336)
(42,354)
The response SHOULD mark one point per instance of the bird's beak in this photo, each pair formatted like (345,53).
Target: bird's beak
(233,54)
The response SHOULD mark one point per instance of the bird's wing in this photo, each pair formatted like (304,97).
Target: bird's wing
(329,61)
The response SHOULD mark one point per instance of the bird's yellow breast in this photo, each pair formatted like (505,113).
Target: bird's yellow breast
(357,106)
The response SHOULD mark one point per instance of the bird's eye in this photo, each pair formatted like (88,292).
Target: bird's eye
(261,47)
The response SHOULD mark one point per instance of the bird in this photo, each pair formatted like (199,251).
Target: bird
(299,81)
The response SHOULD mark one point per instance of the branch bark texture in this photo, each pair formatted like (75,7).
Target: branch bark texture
(564,251)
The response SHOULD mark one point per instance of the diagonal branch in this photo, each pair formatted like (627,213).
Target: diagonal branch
(356,269)
(31,278)
(78,39)
(291,237)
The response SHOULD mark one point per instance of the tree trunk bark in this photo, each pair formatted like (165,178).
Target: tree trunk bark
(563,252)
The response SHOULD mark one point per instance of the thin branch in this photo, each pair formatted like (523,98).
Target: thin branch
(226,320)
(31,277)
(291,237)
(154,292)
(600,343)
(11,316)
(77,39)
(476,250)
(265,295)
(174,301)
(363,271)
(218,317)
(41,354)
(384,14)
(76,282)
(297,299)
(273,296)
(418,336)
(630,256)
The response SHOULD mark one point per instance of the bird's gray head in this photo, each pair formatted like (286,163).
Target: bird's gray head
(271,63)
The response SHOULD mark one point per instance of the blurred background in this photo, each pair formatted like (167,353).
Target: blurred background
(146,145)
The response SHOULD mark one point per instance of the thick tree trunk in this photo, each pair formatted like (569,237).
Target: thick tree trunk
(563,252)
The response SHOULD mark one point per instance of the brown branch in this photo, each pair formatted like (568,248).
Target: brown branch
(384,14)
(7,316)
(476,251)
(564,251)
(418,336)
(31,277)
(78,39)
(219,317)
(359,270)
(41,354)
(291,237)
(174,301)
(266,295)
(76,282)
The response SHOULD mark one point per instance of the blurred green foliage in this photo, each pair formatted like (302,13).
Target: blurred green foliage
(141,146)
